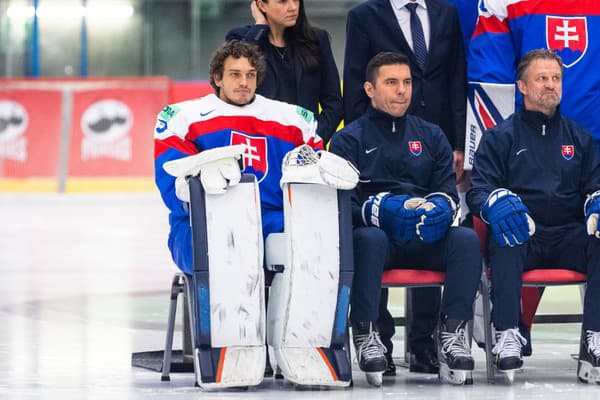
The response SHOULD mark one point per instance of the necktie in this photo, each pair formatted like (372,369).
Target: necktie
(418,38)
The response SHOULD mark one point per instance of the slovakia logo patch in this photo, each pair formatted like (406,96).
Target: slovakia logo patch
(568,36)
(415,147)
(568,151)
(255,153)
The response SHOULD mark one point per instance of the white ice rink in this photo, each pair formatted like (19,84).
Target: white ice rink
(85,282)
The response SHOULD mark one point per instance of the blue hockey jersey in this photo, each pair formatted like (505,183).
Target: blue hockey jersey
(507,29)
(267,128)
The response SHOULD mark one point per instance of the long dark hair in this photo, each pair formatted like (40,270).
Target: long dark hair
(303,41)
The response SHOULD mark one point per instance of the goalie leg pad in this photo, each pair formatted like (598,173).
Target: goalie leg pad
(308,303)
(228,290)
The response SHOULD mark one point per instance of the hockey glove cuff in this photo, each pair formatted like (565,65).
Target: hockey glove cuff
(397,215)
(438,213)
(508,218)
(591,209)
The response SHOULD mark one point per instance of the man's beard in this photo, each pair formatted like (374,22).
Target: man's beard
(234,103)
(550,100)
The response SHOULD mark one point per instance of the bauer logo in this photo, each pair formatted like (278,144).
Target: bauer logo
(106,125)
(568,36)
(13,124)
(255,153)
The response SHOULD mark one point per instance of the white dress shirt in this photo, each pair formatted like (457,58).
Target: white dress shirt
(403,16)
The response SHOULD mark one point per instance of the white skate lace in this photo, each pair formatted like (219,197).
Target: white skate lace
(455,343)
(370,346)
(509,343)
(593,342)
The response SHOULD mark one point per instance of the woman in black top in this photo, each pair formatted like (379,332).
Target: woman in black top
(300,65)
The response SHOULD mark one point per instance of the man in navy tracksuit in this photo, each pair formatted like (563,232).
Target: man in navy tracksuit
(403,207)
(536,181)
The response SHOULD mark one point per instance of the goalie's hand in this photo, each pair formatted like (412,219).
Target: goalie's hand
(305,165)
(438,213)
(592,210)
(508,218)
(218,169)
(396,215)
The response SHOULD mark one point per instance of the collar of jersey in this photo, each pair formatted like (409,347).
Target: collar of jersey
(536,119)
(385,120)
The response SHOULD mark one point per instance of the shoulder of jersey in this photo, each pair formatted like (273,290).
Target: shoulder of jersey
(283,112)
(497,8)
(184,107)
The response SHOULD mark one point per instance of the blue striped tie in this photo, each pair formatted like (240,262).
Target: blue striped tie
(418,38)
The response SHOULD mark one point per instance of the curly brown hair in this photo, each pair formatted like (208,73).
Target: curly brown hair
(236,49)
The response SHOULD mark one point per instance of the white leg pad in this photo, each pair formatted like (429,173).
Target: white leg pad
(303,298)
(237,368)
(236,285)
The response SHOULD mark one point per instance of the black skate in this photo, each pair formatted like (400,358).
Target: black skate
(588,367)
(370,352)
(456,362)
(508,352)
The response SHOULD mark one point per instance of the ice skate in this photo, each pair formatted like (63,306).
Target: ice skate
(370,352)
(456,362)
(588,366)
(507,350)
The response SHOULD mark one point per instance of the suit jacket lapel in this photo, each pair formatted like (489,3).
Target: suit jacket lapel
(435,28)
(388,16)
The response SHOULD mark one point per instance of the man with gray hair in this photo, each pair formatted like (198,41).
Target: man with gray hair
(536,184)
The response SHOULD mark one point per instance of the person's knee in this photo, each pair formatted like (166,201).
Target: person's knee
(370,252)
(370,238)
(180,245)
(464,239)
(593,247)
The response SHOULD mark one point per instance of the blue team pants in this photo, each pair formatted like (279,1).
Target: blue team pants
(425,306)
(457,254)
(564,247)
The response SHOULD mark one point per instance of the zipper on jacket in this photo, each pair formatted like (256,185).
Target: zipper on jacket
(544,130)
(393,126)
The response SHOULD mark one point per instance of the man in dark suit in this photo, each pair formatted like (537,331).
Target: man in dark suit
(428,33)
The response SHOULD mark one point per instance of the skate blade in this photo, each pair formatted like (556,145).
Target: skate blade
(375,378)
(469,379)
(455,376)
(509,374)
(587,373)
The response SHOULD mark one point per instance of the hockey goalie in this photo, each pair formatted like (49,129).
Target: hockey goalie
(232,144)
